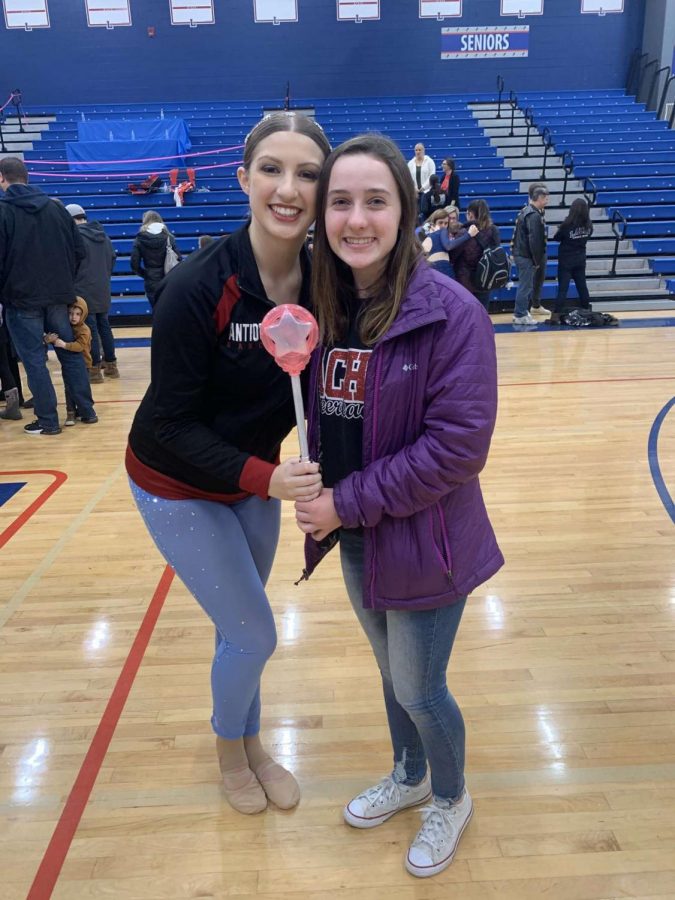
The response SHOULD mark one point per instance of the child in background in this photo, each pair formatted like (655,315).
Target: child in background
(77,313)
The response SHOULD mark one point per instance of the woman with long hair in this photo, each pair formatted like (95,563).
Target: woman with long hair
(573,234)
(403,399)
(203,453)
(466,258)
(148,253)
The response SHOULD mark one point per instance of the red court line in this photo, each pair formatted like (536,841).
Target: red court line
(57,849)
(20,521)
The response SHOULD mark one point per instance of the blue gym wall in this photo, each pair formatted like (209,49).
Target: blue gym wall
(70,63)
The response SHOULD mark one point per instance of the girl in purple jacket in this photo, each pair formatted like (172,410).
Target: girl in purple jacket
(403,398)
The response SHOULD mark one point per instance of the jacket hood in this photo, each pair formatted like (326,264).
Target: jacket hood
(155,228)
(92,231)
(153,240)
(26,197)
(81,303)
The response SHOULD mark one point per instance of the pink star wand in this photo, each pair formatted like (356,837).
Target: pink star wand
(289,333)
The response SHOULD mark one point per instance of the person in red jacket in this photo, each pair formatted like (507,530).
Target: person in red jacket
(403,400)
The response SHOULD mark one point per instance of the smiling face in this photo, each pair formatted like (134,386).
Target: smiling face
(363,214)
(281,186)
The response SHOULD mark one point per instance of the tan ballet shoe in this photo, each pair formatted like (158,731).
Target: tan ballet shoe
(278,783)
(243,791)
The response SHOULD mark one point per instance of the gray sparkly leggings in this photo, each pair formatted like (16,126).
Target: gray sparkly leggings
(223,555)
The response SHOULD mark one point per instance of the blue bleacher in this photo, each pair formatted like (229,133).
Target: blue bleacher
(627,154)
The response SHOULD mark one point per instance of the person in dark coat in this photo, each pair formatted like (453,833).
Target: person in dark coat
(573,235)
(40,252)
(466,257)
(93,283)
(450,182)
(149,252)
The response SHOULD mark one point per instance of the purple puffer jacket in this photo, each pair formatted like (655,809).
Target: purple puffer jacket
(429,413)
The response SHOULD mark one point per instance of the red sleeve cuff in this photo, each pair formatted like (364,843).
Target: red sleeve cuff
(255,476)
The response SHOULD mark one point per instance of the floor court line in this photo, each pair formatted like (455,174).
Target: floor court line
(57,850)
(654,464)
(15,602)
(20,521)
(54,856)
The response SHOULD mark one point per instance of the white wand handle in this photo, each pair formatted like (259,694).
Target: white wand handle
(300,417)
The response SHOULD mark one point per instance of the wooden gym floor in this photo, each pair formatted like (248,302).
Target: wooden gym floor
(564,667)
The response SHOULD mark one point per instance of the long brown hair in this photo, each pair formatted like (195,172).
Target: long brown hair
(481,212)
(333,281)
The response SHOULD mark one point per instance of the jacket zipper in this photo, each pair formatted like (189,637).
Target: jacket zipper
(446,556)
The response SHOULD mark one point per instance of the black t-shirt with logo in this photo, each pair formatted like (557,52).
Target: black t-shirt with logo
(342,388)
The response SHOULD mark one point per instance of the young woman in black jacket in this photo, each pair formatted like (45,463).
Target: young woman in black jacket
(573,235)
(203,453)
(148,253)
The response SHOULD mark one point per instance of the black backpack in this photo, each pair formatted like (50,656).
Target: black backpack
(585,318)
(493,269)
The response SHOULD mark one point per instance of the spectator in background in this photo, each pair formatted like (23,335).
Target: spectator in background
(528,248)
(93,283)
(81,343)
(10,388)
(433,199)
(421,168)
(41,251)
(540,274)
(450,182)
(573,235)
(484,234)
(438,244)
(148,253)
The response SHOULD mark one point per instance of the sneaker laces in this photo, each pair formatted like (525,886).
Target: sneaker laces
(436,822)
(384,793)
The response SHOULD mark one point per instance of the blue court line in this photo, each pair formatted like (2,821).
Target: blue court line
(502,328)
(8,489)
(653,456)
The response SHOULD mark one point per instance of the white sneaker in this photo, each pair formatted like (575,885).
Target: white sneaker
(540,311)
(380,802)
(527,319)
(437,840)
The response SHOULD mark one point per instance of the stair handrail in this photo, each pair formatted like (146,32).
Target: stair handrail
(513,100)
(3,148)
(671,121)
(619,236)
(500,91)
(652,62)
(664,95)
(568,165)
(590,191)
(655,81)
(529,121)
(636,75)
(547,138)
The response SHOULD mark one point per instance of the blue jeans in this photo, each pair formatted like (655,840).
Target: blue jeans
(412,650)
(224,555)
(526,282)
(101,334)
(27,327)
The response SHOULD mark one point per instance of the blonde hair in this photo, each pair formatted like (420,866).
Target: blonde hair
(150,218)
